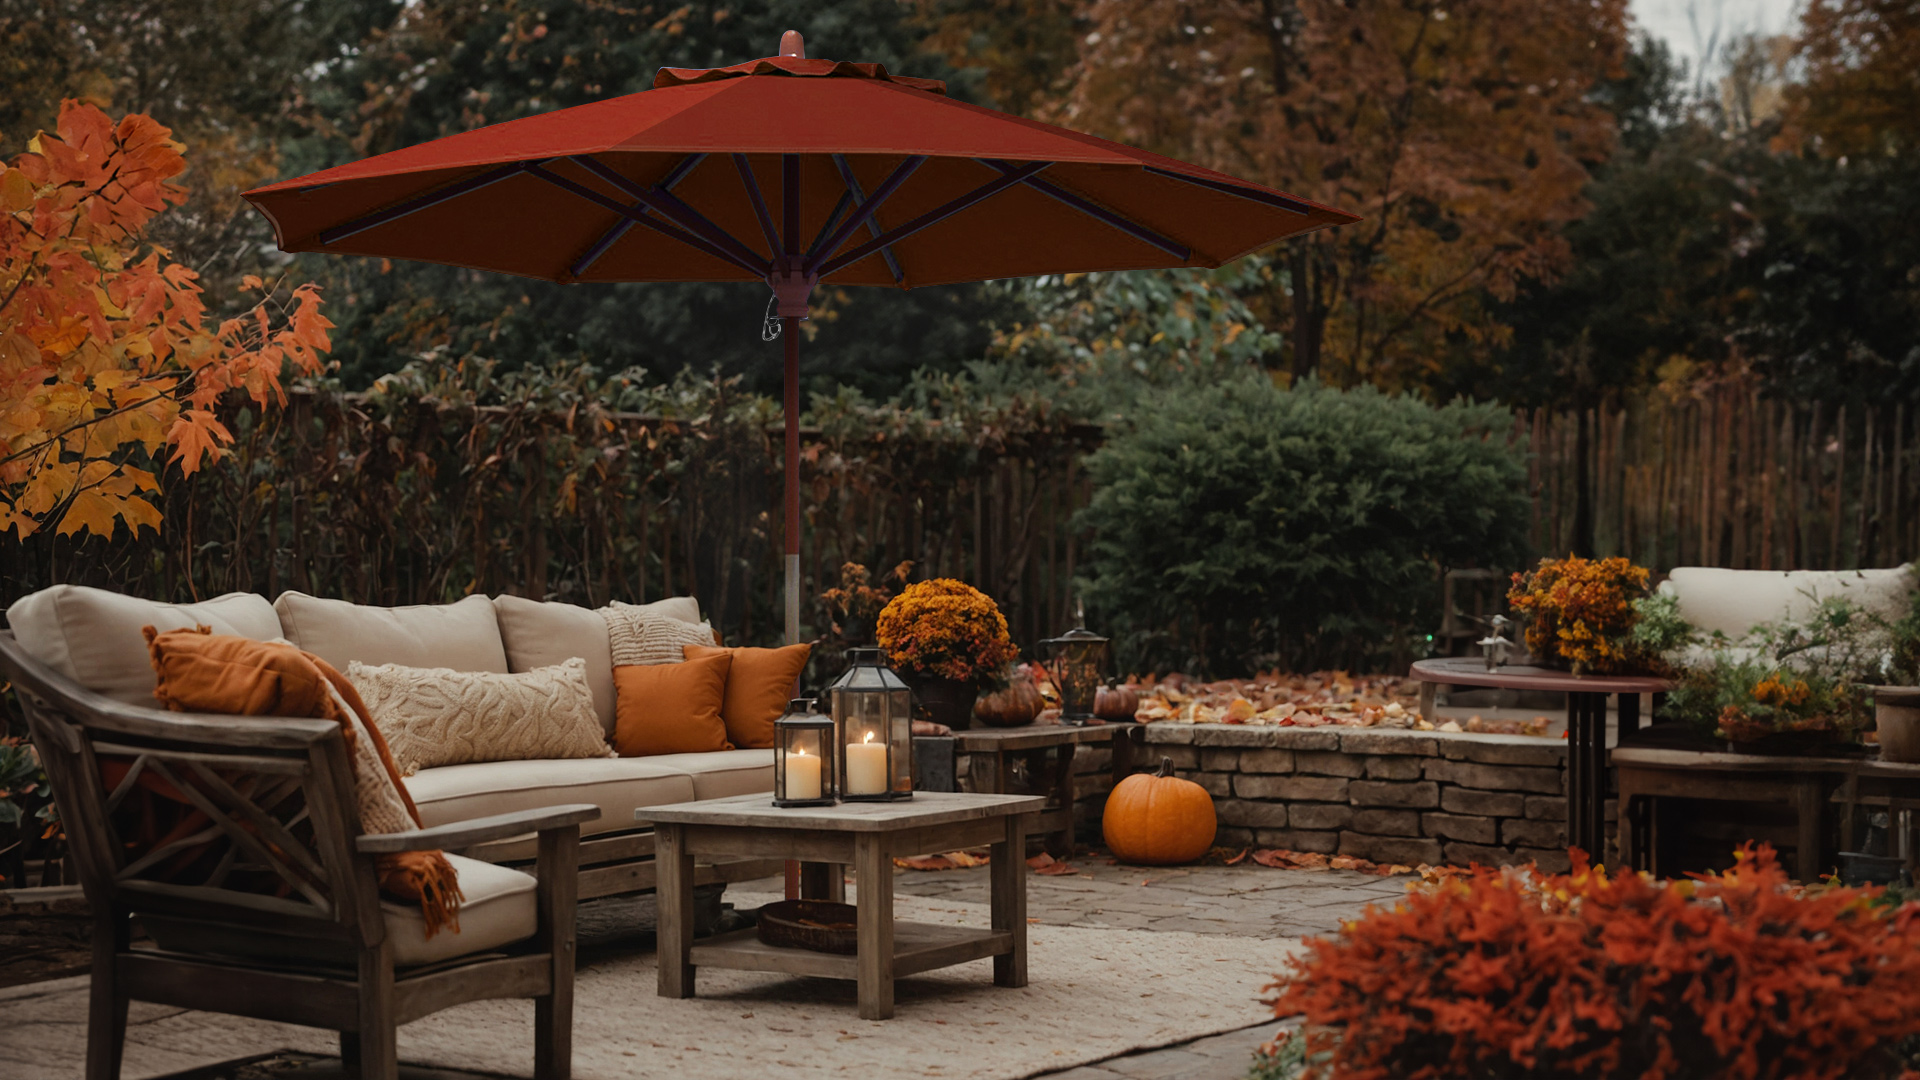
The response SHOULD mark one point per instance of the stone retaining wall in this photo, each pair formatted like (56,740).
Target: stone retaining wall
(1382,794)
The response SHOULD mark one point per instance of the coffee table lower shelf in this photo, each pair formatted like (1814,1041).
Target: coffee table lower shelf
(917,947)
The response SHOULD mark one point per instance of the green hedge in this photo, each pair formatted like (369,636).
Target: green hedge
(1240,525)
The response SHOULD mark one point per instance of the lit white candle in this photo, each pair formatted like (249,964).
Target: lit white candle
(867,767)
(803,775)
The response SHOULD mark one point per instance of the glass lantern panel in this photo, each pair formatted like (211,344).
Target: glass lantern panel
(902,736)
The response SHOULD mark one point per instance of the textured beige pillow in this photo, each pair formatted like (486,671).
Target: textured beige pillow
(636,635)
(438,716)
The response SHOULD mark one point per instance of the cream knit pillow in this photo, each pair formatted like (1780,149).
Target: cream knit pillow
(438,716)
(636,635)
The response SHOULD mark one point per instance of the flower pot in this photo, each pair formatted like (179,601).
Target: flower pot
(1817,743)
(1896,719)
(943,701)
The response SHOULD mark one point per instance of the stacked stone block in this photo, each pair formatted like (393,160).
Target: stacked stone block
(1386,795)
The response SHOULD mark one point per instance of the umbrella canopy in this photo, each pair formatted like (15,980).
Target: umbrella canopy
(790,171)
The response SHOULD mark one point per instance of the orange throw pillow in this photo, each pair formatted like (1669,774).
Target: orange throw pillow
(670,708)
(758,688)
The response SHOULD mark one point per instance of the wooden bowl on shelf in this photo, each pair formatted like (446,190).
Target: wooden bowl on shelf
(819,925)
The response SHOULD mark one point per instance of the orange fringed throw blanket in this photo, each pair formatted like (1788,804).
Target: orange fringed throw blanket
(203,672)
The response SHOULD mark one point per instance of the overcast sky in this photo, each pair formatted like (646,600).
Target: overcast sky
(1669,19)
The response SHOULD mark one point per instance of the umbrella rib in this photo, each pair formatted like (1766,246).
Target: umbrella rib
(934,216)
(873,223)
(625,224)
(759,201)
(826,227)
(423,202)
(868,208)
(1102,214)
(671,208)
(1250,194)
(639,217)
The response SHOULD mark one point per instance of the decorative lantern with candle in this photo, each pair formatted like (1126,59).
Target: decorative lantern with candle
(873,729)
(1077,663)
(803,757)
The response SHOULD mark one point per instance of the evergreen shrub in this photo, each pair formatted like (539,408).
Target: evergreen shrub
(1240,525)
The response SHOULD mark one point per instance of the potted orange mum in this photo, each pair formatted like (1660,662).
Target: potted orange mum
(949,641)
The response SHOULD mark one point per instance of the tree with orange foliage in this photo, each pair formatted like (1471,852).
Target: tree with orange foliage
(1461,130)
(106,358)
(1860,92)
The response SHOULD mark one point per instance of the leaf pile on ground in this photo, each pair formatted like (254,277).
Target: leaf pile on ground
(1283,859)
(1511,972)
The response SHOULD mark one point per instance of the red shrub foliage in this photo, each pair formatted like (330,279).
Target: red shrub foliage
(1503,973)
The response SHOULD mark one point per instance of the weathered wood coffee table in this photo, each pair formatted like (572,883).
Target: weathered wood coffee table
(866,836)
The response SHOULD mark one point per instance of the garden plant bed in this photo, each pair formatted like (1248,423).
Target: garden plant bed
(1391,796)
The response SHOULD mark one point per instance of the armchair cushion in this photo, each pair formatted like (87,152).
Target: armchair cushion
(500,908)
(92,636)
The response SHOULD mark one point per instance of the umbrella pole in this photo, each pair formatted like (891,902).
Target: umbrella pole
(790,332)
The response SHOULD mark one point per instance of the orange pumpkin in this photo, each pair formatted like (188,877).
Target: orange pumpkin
(1158,819)
(1116,702)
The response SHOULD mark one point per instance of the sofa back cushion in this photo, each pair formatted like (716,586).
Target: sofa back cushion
(1734,601)
(540,634)
(463,636)
(92,636)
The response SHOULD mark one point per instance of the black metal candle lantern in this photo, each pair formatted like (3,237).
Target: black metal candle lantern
(873,721)
(803,757)
(1077,662)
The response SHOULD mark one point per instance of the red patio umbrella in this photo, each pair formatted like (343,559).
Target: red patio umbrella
(790,171)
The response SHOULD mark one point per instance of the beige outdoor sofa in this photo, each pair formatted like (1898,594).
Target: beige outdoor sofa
(93,637)
(1733,602)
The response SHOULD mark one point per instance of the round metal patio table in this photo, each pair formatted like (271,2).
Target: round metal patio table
(1586,726)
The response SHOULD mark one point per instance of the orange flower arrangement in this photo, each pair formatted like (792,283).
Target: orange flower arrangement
(1581,612)
(946,629)
(1514,973)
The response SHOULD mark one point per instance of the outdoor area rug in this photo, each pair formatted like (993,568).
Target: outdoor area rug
(1091,994)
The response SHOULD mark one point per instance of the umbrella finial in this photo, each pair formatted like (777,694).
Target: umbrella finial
(792,44)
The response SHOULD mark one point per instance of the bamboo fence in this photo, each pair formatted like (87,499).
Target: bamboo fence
(1731,479)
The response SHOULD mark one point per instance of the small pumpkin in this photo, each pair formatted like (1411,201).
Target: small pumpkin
(1158,819)
(1018,704)
(1116,702)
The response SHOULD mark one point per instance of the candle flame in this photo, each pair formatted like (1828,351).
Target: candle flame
(800,751)
(869,738)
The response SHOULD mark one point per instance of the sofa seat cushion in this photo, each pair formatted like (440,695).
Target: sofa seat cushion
(93,637)
(463,636)
(616,785)
(725,773)
(499,908)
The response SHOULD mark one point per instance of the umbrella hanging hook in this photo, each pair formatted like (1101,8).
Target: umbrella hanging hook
(770,323)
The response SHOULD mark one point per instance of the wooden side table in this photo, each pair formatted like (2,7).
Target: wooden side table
(1652,770)
(866,836)
(1586,726)
(1049,750)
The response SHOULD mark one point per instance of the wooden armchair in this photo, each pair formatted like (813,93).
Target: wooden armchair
(262,901)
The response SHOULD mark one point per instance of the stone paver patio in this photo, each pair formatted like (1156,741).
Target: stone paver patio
(1246,900)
